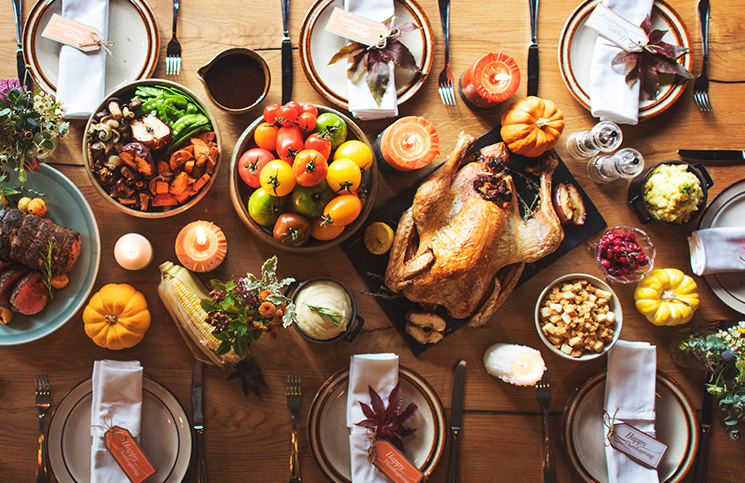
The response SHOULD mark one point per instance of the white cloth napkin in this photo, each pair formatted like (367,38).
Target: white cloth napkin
(611,98)
(629,395)
(117,401)
(81,76)
(362,105)
(379,371)
(716,250)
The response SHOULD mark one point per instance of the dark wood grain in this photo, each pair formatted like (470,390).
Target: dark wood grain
(247,439)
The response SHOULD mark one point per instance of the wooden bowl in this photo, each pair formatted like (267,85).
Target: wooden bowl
(240,191)
(125,92)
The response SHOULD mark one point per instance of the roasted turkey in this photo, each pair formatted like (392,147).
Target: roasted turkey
(463,243)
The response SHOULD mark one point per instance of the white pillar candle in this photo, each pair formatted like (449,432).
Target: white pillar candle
(516,364)
(133,251)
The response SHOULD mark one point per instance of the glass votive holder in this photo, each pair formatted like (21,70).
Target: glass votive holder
(604,137)
(625,163)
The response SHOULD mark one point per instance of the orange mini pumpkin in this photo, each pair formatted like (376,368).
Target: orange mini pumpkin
(532,126)
(116,317)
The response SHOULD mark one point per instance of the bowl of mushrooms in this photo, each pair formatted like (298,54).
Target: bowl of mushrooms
(152,148)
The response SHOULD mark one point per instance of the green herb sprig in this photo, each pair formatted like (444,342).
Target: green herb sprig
(47,272)
(334,317)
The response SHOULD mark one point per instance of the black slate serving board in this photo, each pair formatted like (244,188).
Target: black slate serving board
(372,267)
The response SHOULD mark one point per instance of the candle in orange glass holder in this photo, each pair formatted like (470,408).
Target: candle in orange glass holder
(408,144)
(201,246)
(492,79)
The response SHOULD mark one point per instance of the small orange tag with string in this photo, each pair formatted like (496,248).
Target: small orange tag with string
(394,464)
(128,454)
(634,443)
(74,34)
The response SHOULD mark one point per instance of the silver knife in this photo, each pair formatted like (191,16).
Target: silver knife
(533,50)
(705,424)
(197,416)
(17,17)
(712,154)
(286,54)
(456,416)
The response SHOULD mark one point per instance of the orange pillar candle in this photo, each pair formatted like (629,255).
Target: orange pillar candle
(201,246)
(492,79)
(408,144)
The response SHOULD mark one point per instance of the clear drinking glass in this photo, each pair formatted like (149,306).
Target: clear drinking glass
(604,137)
(625,163)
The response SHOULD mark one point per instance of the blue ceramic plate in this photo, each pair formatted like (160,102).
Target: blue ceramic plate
(67,207)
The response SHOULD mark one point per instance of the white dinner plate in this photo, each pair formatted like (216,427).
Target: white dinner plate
(578,41)
(132,29)
(165,436)
(66,206)
(727,209)
(317,46)
(583,430)
(329,436)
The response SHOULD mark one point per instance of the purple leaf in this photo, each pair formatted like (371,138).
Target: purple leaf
(647,25)
(402,56)
(350,50)
(377,403)
(378,78)
(656,36)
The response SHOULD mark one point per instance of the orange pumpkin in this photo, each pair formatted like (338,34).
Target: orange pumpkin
(532,126)
(116,317)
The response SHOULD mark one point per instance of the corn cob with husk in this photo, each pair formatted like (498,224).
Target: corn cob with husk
(181,294)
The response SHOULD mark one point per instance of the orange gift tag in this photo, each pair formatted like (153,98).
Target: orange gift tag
(394,464)
(72,33)
(128,454)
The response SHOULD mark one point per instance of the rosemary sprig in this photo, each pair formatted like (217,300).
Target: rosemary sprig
(328,314)
(48,275)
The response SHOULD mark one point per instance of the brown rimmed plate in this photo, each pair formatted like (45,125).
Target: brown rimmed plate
(132,29)
(577,42)
(317,46)
(583,431)
(165,435)
(329,436)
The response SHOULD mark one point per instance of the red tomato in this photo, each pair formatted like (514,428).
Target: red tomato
(320,144)
(295,105)
(322,232)
(270,113)
(287,115)
(311,109)
(265,136)
(306,121)
(310,167)
(289,142)
(292,229)
(250,164)
(342,210)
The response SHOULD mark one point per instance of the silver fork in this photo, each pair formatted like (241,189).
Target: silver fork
(543,395)
(701,84)
(447,94)
(43,401)
(173,50)
(294,399)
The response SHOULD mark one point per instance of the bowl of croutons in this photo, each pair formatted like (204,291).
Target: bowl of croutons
(152,148)
(578,317)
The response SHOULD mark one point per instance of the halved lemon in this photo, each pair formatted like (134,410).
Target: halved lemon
(378,238)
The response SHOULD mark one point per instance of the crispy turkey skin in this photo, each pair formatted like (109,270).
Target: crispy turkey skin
(463,242)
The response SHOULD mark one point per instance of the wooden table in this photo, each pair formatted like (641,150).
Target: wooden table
(247,439)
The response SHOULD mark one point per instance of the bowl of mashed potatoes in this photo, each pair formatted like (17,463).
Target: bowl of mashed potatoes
(326,311)
(672,192)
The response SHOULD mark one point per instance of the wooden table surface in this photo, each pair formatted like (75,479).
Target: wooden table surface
(247,439)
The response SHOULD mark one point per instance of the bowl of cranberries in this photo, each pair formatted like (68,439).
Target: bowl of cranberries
(625,254)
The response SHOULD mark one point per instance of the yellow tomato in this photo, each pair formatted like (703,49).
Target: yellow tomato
(277,178)
(356,151)
(344,175)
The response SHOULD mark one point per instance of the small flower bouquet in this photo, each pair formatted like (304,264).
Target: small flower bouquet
(30,125)
(723,353)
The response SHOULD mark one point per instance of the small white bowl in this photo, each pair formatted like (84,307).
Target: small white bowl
(615,306)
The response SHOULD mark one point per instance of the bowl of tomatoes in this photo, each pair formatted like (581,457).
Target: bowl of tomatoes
(303,177)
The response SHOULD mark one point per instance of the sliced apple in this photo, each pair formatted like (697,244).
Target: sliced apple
(563,204)
(578,206)
(427,320)
(151,131)
(423,336)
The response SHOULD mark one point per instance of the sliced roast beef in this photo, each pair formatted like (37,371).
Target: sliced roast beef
(25,239)
(9,276)
(30,294)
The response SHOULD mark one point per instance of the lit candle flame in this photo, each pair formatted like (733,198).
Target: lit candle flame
(201,238)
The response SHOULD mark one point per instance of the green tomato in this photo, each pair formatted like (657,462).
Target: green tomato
(264,208)
(335,128)
(310,200)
